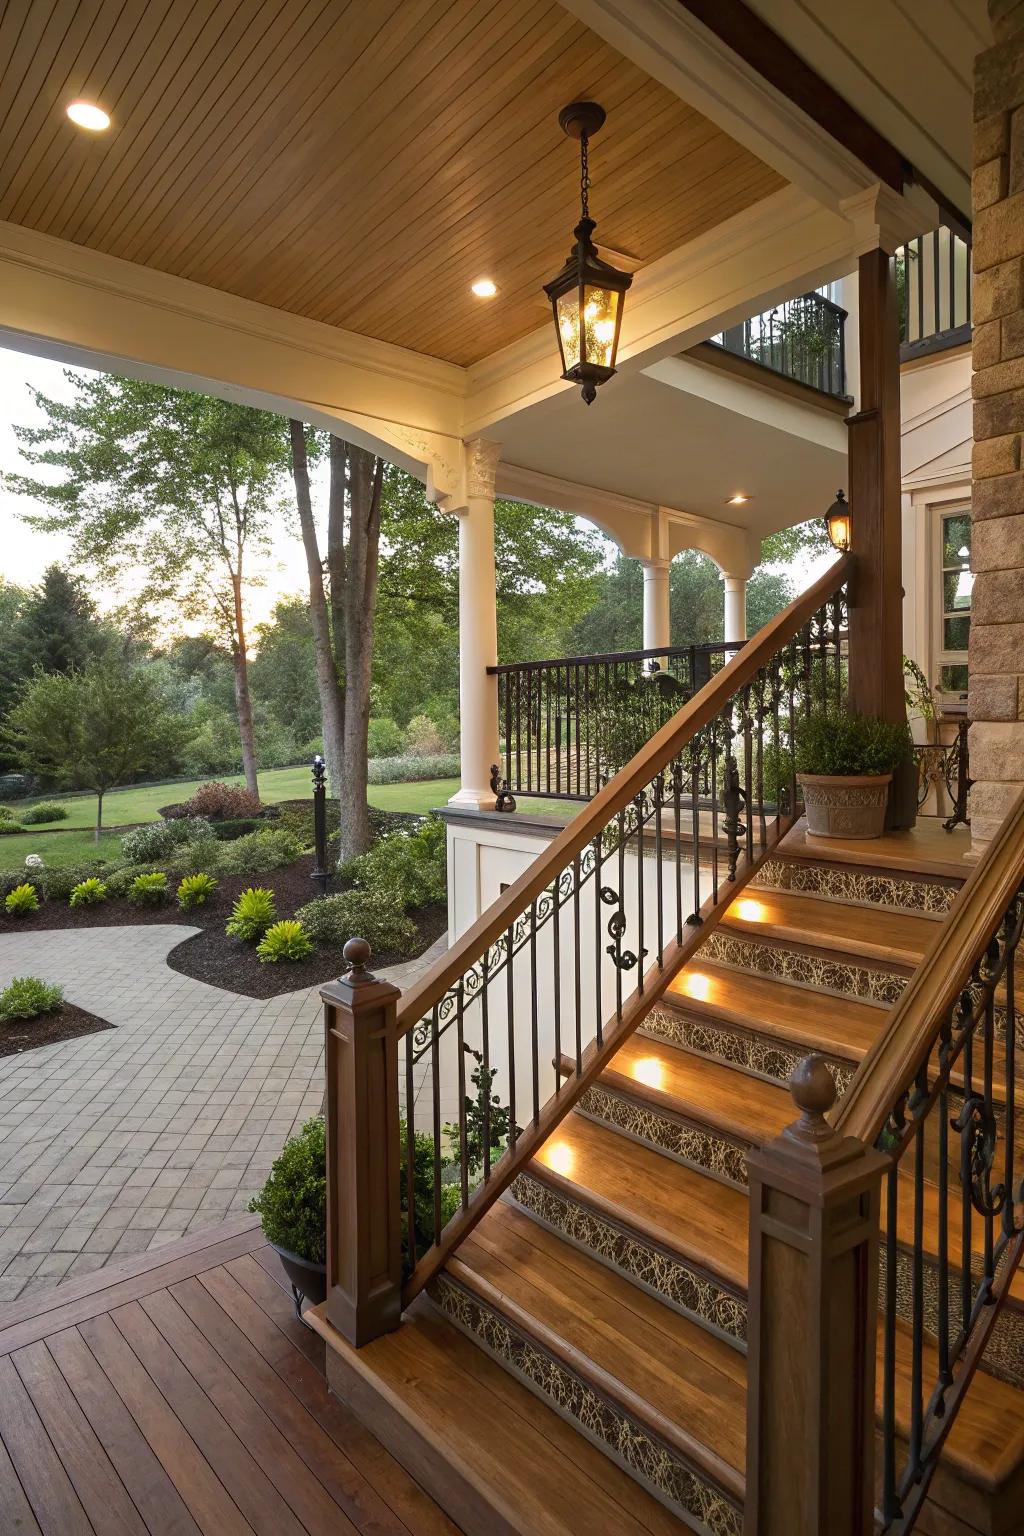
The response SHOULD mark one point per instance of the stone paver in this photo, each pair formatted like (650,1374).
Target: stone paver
(117,1142)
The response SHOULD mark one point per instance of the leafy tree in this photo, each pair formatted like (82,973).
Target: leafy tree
(283,677)
(96,728)
(12,604)
(178,484)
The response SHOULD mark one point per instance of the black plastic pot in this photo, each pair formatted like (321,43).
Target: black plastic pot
(308,1280)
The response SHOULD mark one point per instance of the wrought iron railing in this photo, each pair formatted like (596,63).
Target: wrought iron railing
(933,284)
(937,1096)
(802,338)
(545,987)
(946,767)
(569,724)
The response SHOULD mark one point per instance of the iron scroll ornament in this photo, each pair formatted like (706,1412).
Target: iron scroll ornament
(976,1124)
(622,959)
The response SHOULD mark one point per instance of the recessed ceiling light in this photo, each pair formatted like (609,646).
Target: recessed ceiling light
(737,500)
(484,288)
(86,114)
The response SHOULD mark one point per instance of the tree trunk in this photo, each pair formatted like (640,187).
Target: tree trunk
(99,814)
(360,597)
(243,702)
(328,687)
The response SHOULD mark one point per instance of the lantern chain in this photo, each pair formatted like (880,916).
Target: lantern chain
(585,174)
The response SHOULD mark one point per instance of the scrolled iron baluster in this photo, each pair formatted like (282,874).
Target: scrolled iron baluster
(622,959)
(976,1126)
(734,799)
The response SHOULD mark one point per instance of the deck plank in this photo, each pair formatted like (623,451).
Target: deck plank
(175,1396)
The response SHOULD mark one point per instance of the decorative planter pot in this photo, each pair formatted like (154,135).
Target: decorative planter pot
(309,1280)
(845,807)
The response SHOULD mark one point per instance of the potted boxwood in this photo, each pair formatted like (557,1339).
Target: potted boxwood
(844,766)
(292,1206)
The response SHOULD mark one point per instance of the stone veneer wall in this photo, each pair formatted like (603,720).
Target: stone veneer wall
(996,699)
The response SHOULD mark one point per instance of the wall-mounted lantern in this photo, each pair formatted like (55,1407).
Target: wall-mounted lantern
(837,523)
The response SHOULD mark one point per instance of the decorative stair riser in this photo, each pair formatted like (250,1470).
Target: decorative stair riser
(698,1146)
(1004,1352)
(759,1055)
(667,1275)
(856,888)
(684,1488)
(799,968)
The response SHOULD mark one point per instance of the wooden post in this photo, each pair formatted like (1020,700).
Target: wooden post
(364,1223)
(876,586)
(814,1216)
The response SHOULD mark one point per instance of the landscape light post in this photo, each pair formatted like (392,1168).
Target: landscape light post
(320,874)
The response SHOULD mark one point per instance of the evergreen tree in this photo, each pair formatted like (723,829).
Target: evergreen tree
(58,630)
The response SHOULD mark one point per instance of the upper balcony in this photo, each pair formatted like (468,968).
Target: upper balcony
(933,284)
(803,339)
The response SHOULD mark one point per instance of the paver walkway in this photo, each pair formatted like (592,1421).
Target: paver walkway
(120,1141)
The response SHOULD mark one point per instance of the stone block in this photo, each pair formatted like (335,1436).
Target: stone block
(998,496)
(997,751)
(996,415)
(1011,337)
(999,378)
(993,799)
(987,341)
(1006,18)
(999,291)
(998,79)
(996,647)
(993,697)
(998,545)
(1015,178)
(998,597)
(990,183)
(983,829)
(999,233)
(991,137)
(996,456)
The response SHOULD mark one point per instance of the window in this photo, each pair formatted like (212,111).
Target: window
(955,598)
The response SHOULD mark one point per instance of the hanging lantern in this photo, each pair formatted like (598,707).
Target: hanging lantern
(837,523)
(588,295)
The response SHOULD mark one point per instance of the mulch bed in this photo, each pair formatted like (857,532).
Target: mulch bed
(65,1023)
(231,963)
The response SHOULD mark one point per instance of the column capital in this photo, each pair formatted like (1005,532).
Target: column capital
(480,466)
(883,219)
(656,564)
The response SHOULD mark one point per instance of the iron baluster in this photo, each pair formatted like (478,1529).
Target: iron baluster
(460,1040)
(577,980)
(733,801)
(677,789)
(598,961)
(510,1026)
(534,1015)
(659,800)
(891,1508)
(410,1155)
(485,1052)
(639,803)
(435,1087)
(556,939)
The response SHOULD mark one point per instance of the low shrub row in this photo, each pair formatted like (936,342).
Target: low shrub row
(26,997)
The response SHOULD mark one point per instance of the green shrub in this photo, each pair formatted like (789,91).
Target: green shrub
(228,831)
(372,915)
(423,1193)
(148,890)
(195,890)
(296,818)
(286,940)
(10,828)
(87,892)
(58,883)
(155,841)
(410,867)
(6,814)
(840,742)
(252,914)
(411,770)
(200,857)
(22,900)
(292,1205)
(384,739)
(11,878)
(45,810)
(119,881)
(26,997)
(259,852)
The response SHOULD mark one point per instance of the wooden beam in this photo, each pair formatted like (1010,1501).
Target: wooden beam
(876,587)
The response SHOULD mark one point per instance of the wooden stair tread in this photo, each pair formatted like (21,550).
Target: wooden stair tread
(427,1383)
(837,1026)
(900,938)
(700,1089)
(690,1385)
(927,852)
(672,1204)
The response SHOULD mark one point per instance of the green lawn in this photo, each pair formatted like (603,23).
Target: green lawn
(72,841)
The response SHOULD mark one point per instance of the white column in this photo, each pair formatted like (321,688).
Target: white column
(657,613)
(735,627)
(478,628)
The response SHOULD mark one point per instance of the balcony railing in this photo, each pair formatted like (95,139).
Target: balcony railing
(933,283)
(802,339)
(568,725)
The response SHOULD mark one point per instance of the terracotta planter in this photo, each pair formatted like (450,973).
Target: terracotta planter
(845,807)
(308,1280)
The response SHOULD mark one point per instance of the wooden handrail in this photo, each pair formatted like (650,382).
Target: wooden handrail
(616,795)
(902,1050)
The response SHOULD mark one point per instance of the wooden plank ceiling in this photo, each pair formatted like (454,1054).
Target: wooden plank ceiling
(361,162)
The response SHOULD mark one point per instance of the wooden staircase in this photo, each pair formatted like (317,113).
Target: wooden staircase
(580,1363)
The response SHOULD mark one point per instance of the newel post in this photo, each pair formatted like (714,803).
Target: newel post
(814,1217)
(364,1223)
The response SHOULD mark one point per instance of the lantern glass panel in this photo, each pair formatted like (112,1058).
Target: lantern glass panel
(595,323)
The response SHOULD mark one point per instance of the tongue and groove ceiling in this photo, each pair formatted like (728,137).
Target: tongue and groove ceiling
(360,162)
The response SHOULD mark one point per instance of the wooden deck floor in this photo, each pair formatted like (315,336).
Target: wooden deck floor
(179,1395)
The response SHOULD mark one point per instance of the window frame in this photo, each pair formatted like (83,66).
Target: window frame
(945,657)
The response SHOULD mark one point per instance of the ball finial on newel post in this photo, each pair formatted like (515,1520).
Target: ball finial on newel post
(356,954)
(814,1093)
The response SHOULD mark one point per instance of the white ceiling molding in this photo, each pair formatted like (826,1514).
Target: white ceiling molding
(670,44)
